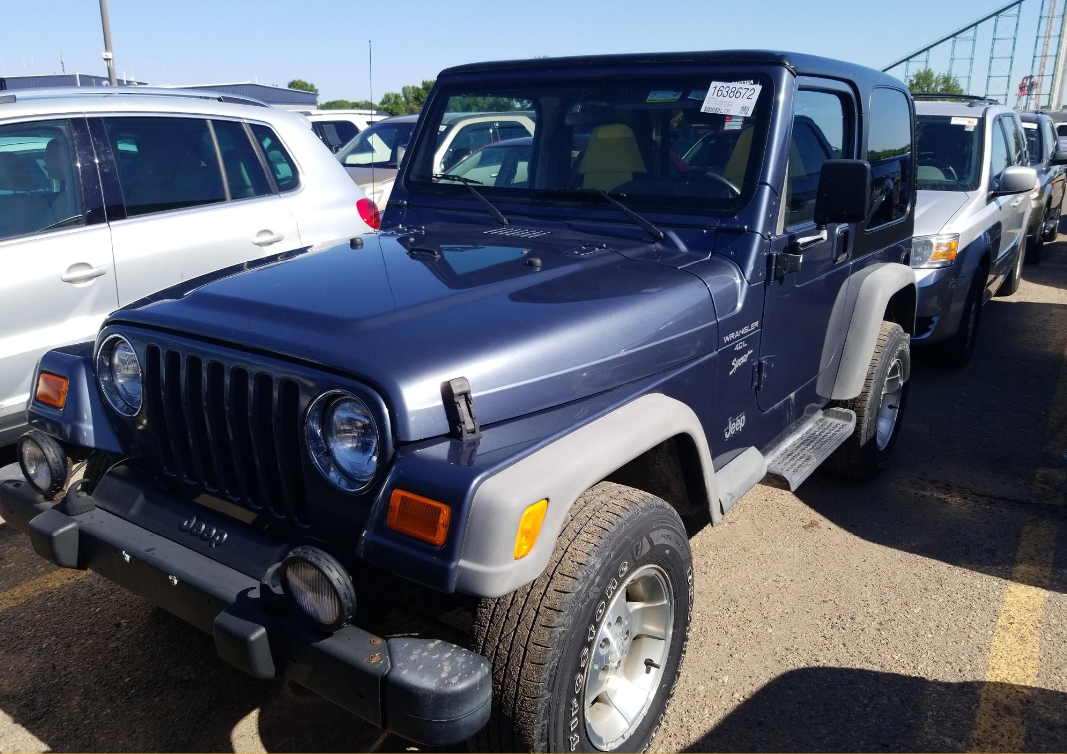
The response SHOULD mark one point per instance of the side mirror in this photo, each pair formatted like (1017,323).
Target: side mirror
(1059,157)
(844,193)
(1016,180)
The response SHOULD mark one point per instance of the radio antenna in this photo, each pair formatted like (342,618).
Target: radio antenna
(370,89)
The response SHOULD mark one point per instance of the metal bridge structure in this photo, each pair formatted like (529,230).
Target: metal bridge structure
(1012,75)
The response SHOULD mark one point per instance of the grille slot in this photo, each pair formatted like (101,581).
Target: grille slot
(227,431)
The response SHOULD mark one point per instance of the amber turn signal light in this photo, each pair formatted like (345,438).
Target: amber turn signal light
(530,527)
(418,517)
(52,390)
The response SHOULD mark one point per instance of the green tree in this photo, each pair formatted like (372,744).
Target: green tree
(408,101)
(304,86)
(928,82)
(347,104)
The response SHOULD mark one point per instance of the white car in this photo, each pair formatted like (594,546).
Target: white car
(108,195)
(338,127)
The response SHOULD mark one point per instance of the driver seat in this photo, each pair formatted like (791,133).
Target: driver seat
(611,157)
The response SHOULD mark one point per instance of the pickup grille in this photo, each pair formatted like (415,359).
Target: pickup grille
(227,430)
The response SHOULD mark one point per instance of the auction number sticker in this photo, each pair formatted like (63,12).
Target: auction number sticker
(967,123)
(731,98)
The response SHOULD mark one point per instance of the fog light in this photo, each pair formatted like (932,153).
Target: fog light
(43,463)
(320,587)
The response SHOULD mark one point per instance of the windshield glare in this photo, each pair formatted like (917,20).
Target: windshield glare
(950,154)
(376,146)
(647,140)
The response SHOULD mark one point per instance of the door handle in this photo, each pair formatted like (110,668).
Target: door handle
(82,273)
(267,237)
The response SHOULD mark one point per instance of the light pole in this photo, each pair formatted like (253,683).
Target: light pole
(109,56)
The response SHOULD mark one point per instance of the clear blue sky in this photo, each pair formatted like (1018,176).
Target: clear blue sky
(325,41)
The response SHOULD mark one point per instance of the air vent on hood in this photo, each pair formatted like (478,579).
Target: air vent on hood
(517,232)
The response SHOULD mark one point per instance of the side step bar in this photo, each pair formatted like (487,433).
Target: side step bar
(792,460)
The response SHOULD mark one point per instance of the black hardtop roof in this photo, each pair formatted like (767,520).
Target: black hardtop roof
(799,63)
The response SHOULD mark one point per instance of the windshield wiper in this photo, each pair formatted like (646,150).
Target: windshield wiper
(469,183)
(652,230)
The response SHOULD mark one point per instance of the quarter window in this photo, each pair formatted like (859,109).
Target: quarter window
(244,173)
(889,140)
(165,163)
(281,164)
(39,188)
(818,136)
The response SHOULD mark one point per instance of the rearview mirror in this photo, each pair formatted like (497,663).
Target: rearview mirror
(844,192)
(1016,179)
(1059,158)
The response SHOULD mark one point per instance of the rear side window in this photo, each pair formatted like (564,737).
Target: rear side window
(278,159)
(165,163)
(334,133)
(508,129)
(818,136)
(244,173)
(39,189)
(889,140)
(469,139)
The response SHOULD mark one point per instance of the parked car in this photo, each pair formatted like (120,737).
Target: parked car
(974,184)
(515,401)
(142,189)
(1046,202)
(1061,136)
(372,158)
(338,127)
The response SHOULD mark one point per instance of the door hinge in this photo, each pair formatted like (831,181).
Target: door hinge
(783,263)
(759,373)
(459,406)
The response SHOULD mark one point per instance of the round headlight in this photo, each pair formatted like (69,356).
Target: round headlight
(342,439)
(119,373)
(320,587)
(43,463)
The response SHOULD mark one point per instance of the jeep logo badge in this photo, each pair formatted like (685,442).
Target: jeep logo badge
(204,530)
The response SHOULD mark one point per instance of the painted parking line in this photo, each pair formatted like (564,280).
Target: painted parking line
(52,580)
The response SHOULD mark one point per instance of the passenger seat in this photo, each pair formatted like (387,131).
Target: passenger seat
(612,157)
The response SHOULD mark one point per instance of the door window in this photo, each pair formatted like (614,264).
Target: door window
(1050,139)
(1016,141)
(165,163)
(999,159)
(889,142)
(818,136)
(244,173)
(281,164)
(469,138)
(39,188)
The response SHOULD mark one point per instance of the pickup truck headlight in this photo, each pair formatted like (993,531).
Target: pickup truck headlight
(119,374)
(342,438)
(934,251)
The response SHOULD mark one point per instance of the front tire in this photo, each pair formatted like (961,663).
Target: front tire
(586,657)
(879,409)
(1033,248)
(960,349)
(1011,285)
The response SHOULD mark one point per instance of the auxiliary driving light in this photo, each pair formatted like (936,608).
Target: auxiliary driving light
(43,463)
(320,587)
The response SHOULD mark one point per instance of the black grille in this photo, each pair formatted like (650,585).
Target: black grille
(227,430)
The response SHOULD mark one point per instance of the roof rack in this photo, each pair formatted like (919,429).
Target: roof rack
(140,91)
(970,99)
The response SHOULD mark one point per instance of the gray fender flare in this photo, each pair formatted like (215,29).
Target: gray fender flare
(561,472)
(877,288)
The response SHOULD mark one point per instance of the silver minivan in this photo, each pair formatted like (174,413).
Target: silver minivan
(108,195)
(973,205)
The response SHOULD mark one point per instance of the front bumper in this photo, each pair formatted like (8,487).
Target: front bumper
(429,691)
(940,306)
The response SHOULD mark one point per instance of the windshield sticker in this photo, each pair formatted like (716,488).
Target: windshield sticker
(663,96)
(731,98)
(733,123)
(969,123)
(698,94)
(1030,125)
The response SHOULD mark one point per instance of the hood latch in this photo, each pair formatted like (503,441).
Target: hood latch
(459,406)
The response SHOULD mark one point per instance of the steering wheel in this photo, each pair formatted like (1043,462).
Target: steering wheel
(705,176)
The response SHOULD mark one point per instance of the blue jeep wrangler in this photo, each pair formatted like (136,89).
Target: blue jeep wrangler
(560,357)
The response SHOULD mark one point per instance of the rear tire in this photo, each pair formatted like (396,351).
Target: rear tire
(879,409)
(960,349)
(552,641)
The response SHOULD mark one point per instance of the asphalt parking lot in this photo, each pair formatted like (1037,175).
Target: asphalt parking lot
(925,611)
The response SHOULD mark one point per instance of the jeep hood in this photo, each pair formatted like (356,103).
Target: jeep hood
(530,322)
(933,210)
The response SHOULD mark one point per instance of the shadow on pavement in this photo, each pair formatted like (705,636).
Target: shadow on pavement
(845,709)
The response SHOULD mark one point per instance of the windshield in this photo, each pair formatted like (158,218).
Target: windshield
(662,143)
(950,152)
(376,146)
